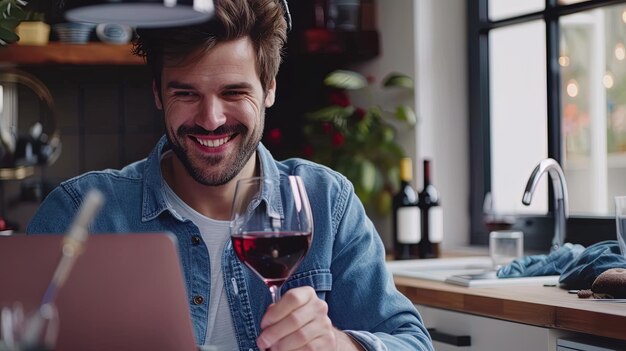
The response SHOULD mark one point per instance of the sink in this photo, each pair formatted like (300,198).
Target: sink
(474,271)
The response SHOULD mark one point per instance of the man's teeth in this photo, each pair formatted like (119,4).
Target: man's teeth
(213,142)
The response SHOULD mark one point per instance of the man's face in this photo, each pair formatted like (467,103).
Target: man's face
(214,110)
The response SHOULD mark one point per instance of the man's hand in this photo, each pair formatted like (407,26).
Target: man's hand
(299,321)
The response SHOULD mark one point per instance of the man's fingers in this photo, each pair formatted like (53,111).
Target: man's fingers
(296,322)
(293,299)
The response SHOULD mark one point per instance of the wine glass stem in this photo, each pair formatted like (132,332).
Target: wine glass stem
(275,291)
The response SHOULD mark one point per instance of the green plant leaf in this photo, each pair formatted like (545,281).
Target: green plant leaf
(406,113)
(398,80)
(9,23)
(11,9)
(330,113)
(343,79)
(393,177)
(396,151)
(384,202)
(368,175)
(8,36)
(387,134)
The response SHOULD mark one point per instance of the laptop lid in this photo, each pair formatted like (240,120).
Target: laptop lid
(125,291)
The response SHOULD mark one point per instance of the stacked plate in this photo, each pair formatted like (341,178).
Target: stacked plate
(73,32)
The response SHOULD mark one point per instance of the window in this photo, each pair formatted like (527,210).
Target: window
(548,79)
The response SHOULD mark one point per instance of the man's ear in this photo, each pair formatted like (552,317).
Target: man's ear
(270,95)
(157,95)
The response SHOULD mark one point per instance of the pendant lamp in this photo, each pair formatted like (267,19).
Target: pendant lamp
(141,13)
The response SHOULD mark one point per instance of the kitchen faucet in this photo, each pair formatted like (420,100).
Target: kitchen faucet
(560,196)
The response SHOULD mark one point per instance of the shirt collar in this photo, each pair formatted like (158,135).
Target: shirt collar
(154,202)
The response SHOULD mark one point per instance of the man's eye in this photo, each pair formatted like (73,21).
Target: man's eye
(183,93)
(233,93)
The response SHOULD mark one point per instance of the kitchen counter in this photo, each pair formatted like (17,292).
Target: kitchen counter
(549,307)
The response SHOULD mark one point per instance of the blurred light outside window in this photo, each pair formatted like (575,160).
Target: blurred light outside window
(594,112)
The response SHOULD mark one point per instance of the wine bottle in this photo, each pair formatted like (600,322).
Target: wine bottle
(431,215)
(406,216)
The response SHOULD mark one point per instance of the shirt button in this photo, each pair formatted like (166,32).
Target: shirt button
(195,240)
(198,300)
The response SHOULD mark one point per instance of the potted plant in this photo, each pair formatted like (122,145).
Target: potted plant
(11,14)
(360,141)
(19,24)
(32,30)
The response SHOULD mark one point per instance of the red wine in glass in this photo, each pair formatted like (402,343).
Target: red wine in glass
(271,227)
(273,256)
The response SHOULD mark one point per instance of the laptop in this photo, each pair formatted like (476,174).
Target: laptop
(125,291)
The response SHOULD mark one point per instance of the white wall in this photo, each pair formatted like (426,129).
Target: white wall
(427,40)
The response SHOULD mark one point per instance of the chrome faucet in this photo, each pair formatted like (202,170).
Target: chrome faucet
(560,196)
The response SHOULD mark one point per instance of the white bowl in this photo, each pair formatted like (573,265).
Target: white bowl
(113,33)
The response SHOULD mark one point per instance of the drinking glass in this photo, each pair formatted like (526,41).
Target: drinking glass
(24,331)
(620,219)
(505,246)
(271,227)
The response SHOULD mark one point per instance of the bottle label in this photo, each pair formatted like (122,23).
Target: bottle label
(408,225)
(435,222)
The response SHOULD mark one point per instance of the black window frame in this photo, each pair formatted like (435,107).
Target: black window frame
(537,229)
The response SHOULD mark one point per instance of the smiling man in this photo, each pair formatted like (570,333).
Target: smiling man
(214,105)
(213,83)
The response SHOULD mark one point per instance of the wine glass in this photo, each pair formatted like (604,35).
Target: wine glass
(620,218)
(271,227)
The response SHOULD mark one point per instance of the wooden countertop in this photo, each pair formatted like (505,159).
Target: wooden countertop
(537,305)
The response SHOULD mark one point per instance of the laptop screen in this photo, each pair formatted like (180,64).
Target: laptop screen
(125,291)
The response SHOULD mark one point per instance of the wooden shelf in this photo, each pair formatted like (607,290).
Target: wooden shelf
(356,45)
(69,54)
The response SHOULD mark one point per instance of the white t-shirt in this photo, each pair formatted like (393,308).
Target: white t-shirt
(220,330)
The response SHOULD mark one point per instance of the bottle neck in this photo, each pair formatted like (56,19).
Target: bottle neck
(429,196)
(426,173)
(406,170)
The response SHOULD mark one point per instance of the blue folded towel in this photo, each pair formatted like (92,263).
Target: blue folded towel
(594,260)
(538,265)
(577,266)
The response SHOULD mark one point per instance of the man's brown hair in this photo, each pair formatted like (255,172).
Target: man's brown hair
(261,20)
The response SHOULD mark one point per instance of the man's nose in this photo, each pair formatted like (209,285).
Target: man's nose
(211,113)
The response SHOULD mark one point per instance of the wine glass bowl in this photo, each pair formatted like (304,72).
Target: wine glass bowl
(271,227)
(620,218)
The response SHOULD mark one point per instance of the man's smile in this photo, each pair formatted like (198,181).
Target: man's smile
(214,142)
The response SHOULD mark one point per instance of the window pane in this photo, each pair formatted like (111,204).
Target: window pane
(518,114)
(593,81)
(499,9)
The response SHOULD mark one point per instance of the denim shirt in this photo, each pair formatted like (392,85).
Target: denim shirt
(345,264)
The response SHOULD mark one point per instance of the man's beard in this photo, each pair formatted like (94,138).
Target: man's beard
(202,170)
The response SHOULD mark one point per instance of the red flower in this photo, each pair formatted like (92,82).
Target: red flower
(326,127)
(339,98)
(359,114)
(338,139)
(307,151)
(275,136)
